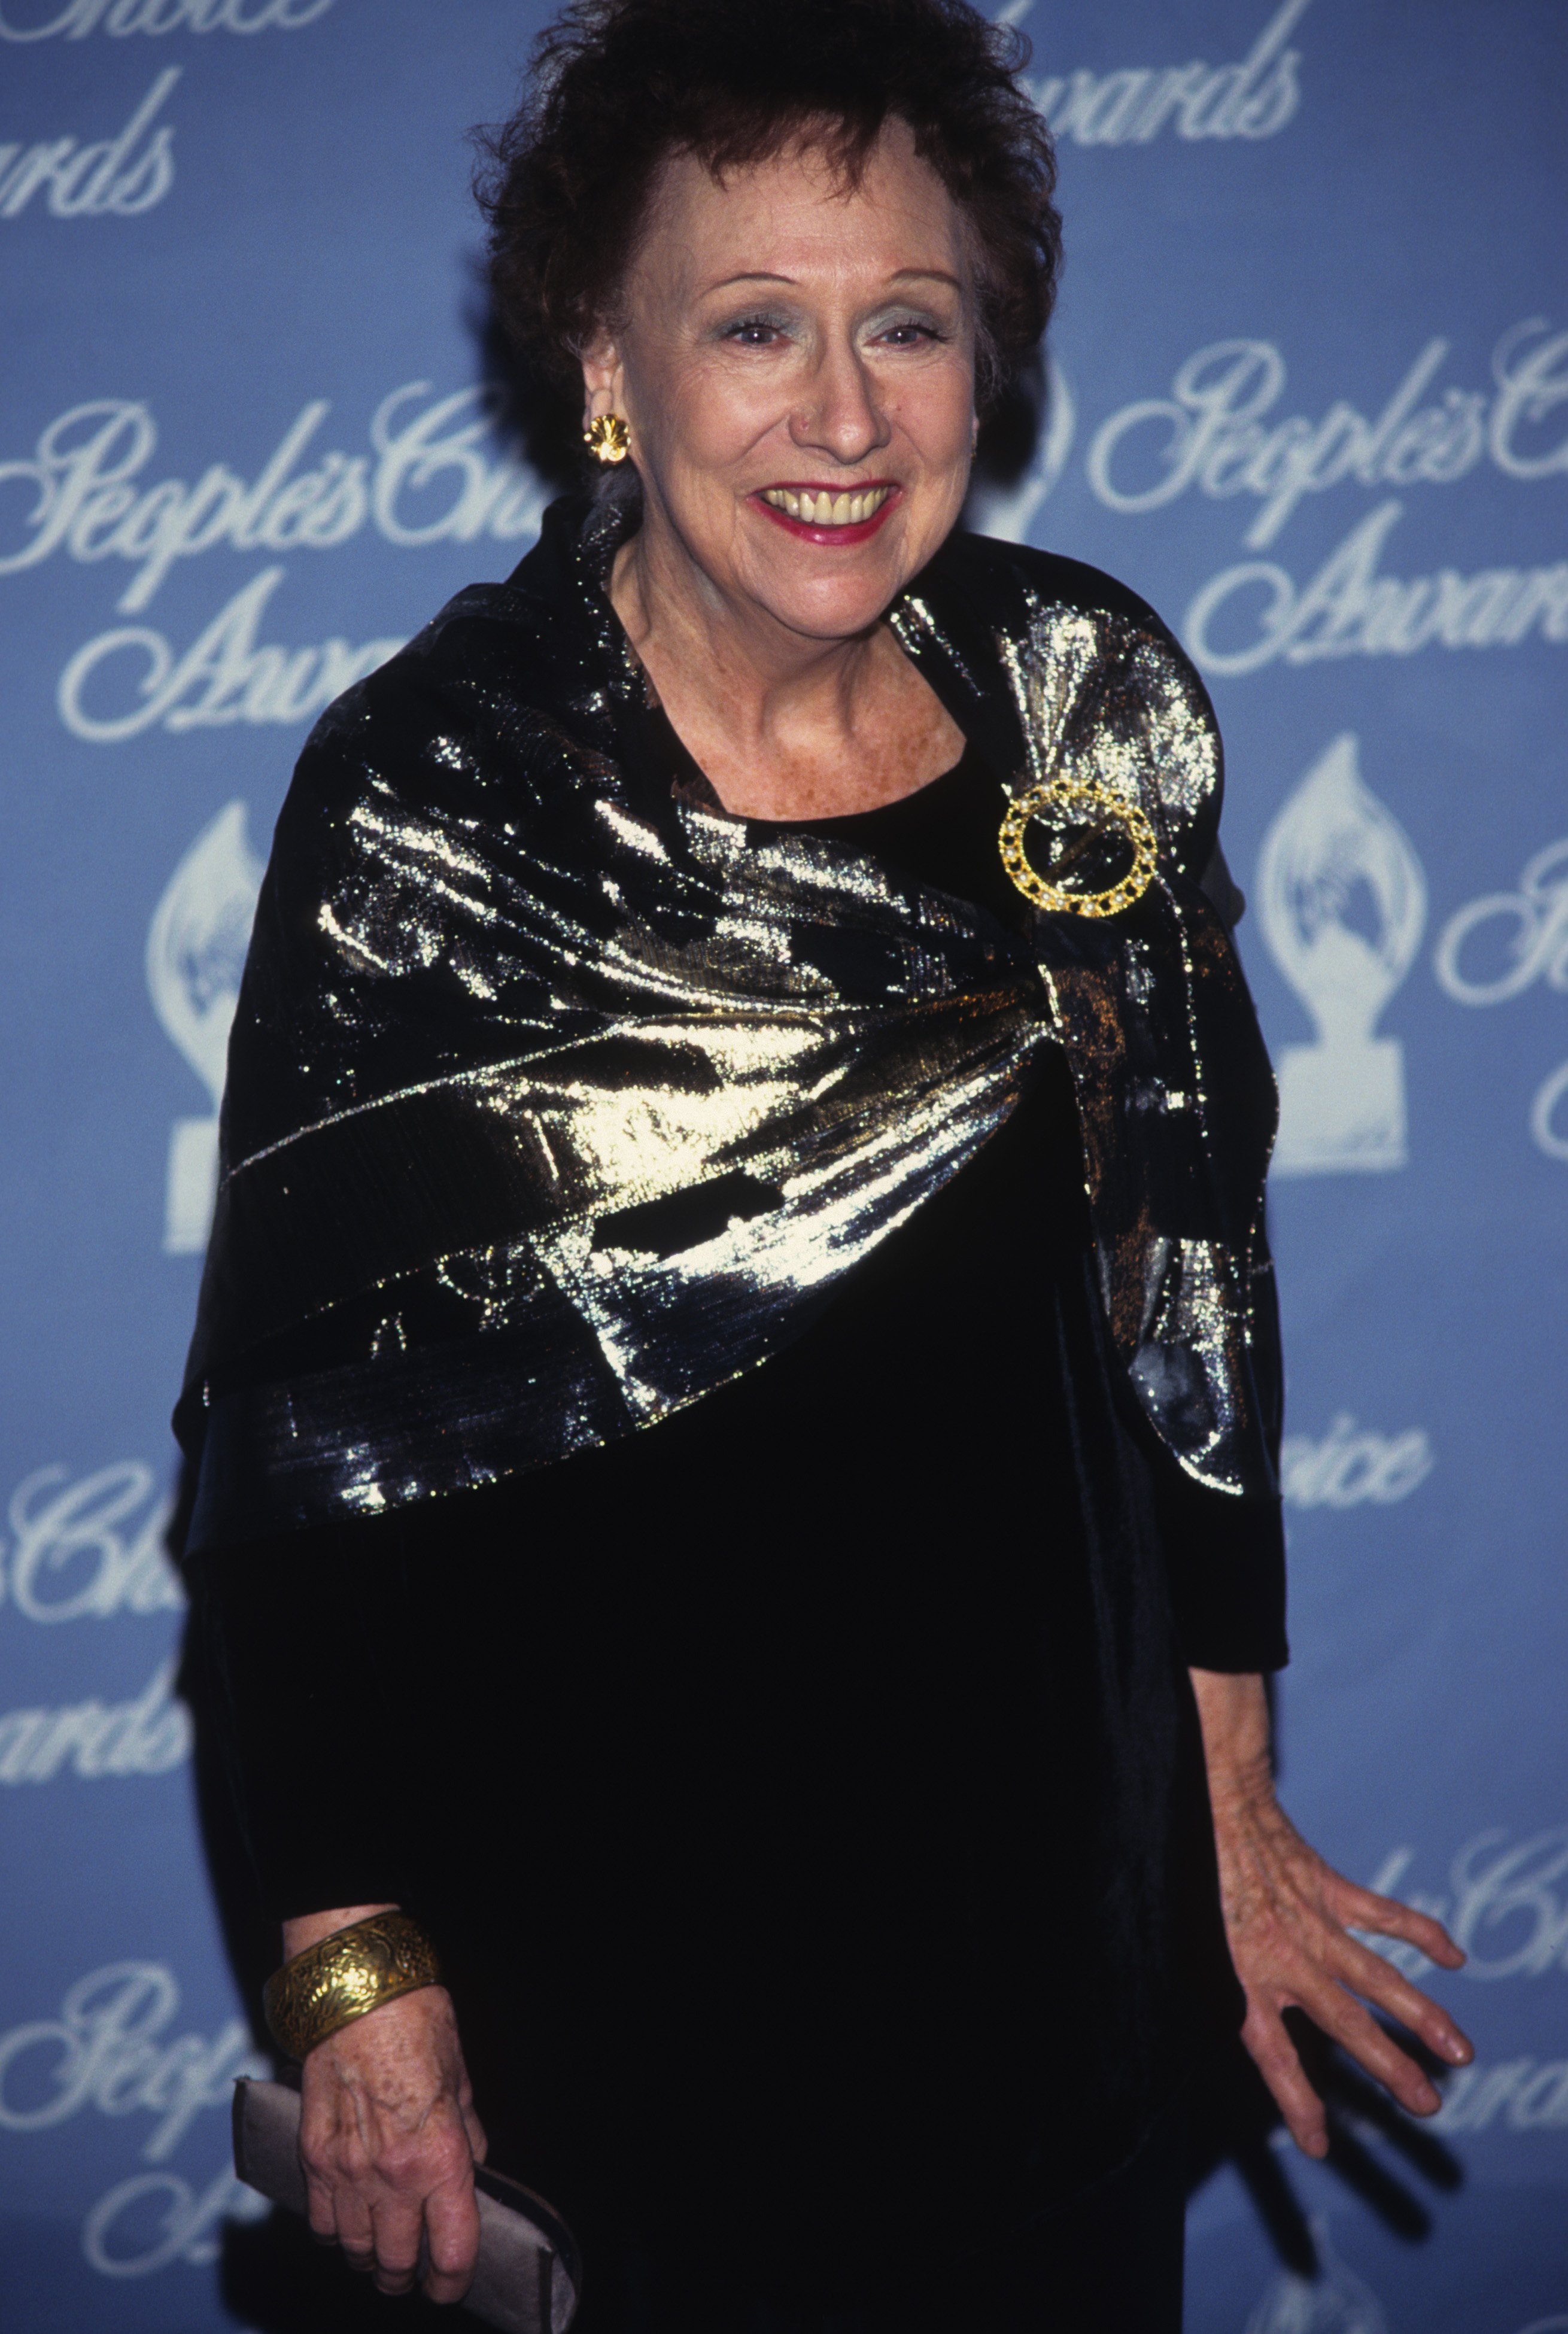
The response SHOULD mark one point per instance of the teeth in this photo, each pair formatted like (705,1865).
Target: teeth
(823,510)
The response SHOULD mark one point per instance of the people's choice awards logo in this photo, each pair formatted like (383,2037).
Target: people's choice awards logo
(1343,904)
(195,953)
(437,471)
(1219,432)
(1500,945)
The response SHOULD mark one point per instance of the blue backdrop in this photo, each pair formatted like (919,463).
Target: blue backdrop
(1309,396)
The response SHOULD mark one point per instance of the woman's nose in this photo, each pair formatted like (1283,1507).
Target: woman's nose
(839,415)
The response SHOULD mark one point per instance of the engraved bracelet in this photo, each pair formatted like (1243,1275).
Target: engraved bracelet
(343,1976)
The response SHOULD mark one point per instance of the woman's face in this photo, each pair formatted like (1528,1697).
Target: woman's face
(796,362)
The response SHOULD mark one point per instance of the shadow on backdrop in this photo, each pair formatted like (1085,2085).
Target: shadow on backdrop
(1236,2121)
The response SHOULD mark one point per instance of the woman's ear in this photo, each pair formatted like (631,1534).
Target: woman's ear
(601,363)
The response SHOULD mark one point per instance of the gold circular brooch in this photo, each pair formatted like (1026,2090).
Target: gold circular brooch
(1069,797)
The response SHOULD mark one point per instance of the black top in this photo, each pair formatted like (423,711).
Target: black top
(804,1792)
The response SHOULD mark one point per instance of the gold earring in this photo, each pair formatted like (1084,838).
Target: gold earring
(607,438)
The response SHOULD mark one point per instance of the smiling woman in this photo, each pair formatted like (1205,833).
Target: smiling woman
(734,1410)
(794,354)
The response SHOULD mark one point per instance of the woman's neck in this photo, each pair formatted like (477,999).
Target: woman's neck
(783,726)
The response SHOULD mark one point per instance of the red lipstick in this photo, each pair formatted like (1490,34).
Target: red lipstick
(813,531)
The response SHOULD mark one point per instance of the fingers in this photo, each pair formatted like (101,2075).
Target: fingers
(1346,2021)
(1385,1916)
(1325,1984)
(397,2228)
(1274,2055)
(319,2211)
(388,2142)
(1380,1983)
(452,2228)
(383,2238)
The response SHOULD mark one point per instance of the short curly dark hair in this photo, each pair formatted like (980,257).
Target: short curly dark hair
(619,85)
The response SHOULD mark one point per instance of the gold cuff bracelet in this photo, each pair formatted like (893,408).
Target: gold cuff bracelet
(343,1976)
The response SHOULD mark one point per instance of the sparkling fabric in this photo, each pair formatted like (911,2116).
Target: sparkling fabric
(558,1097)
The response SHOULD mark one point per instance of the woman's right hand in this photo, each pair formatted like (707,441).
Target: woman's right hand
(388,2138)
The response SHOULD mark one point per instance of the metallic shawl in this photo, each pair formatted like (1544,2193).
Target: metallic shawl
(557,1096)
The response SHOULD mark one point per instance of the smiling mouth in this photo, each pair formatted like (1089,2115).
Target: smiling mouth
(824,509)
(835,521)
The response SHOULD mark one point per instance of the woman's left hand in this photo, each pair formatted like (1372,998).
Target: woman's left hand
(1288,1915)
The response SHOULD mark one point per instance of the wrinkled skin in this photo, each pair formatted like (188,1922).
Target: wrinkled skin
(780,328)
(1287,1914)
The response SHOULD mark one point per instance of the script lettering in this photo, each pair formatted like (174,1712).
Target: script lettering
(1548,1116)
(146,1736)
(225,676)
(83,181)
(1348,1469)
(1507,1906)
(431,477)
(1210,434)
(1349,609)
(1528,931)
(1525,2093)
(156,2218)
(106,2051)
(118,18)
(488,496)
(1532,382)
(1508,1899)
(70,1559)
(1254,99)
(1498,946)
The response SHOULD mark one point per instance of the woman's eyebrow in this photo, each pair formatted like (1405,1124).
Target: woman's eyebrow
(753,275)
(899,275)
(924,275)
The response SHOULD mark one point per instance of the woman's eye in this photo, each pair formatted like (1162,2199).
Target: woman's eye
(909,335)
(752,332)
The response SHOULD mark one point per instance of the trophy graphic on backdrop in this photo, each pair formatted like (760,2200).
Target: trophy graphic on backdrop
(1333,2301)
(195,955)
(1343,902)
(1008,511)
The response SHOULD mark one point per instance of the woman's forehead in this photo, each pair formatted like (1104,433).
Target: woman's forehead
(797,217)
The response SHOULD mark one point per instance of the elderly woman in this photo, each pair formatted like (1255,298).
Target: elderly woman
(736,1396)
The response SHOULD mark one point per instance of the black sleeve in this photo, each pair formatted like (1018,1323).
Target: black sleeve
(1226,1564)
(307,1647)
